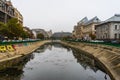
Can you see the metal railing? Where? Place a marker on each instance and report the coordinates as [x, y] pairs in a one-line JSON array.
[[99, 43], [18, 42]]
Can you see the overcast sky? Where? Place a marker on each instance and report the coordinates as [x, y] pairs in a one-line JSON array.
[[62, 15]]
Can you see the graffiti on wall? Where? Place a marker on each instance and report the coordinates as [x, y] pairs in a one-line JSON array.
[[11, 48], [6, 48]]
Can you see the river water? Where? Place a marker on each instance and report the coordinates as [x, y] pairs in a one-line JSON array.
[[55, 62]]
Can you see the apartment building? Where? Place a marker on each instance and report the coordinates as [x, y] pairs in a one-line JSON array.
[[19, 16], [6, 10]]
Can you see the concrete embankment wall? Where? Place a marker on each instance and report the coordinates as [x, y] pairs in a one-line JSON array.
[[109, 57], [10, 52]]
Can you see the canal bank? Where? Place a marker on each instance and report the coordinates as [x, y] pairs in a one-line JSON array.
[[54, 61], [109, 57], [12, 52]]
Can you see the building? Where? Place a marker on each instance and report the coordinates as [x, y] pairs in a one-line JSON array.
[[29, 31], [78, 29], [85, 27], [19, 16], [89, 29], [60, 35], [42, 31], [6, 11], [49, 33], [109, 29]]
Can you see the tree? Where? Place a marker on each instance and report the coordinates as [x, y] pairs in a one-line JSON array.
[[24, 35], [93, 36], [4, 29], [13, 29], [16, 29], [40, 36]]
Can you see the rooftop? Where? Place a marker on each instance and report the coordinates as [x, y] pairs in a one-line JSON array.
[[114, 18], [93, 20]]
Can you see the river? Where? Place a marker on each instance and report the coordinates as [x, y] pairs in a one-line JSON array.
[[55, 62]]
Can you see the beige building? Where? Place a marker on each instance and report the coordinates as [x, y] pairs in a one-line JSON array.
[[78, 29], [19, 16], [49, 33], [85, 28], [109, 29], [6, 11], [29, 31], [89, 28]]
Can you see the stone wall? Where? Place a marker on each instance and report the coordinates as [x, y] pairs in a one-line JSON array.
[[109, 57]]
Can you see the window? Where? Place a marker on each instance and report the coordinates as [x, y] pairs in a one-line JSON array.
[[115, 27], [119, 36], [0, 4], [115, 35], [106, 36]]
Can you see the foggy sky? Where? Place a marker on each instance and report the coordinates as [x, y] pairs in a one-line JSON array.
[[62, 15]]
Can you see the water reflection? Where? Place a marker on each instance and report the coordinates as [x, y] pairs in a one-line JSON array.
[[55, 62], [85, 61], [15, 72]]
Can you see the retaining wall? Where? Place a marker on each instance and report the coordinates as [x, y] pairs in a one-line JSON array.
[[109, 57], [9, 52]]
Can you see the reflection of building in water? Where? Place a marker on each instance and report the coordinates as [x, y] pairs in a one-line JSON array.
[[50, 47], [58, 45], [85, 61], [43, 48], [14, 70]]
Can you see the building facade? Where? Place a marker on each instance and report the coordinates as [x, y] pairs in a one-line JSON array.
[[19, 16], [89, 29], [38, 31], [85, 28], [78, 29], [49, 33], [29, 31], [61, 35], [109, 29], [6, 11]]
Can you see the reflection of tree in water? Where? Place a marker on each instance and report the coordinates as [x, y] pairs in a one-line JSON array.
[[85, 61], [15, 72]]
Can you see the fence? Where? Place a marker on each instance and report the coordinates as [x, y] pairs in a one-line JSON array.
[[17, 42], [101, 43]]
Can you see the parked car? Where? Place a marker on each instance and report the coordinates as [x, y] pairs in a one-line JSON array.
[[115, 41], [96, 41]]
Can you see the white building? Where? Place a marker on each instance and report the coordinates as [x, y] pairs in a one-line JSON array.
[[109, 29], [42, 31], [49, 33]]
